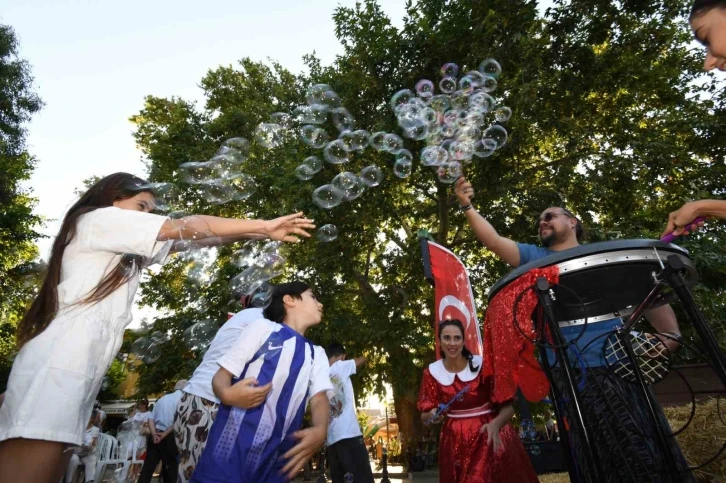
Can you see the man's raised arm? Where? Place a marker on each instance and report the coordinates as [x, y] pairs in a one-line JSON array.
[[504, 248]]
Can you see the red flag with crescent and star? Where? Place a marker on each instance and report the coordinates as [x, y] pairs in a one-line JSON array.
[[454, 298]]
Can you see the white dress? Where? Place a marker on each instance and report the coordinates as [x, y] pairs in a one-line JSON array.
[[56, 376]]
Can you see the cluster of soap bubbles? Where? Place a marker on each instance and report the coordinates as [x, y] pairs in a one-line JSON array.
[[147, 348], [455, 123], [260, 261], [312, 123], [220, 179]]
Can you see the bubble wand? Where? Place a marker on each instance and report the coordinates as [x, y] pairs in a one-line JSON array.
[[671, 237], [439, 415]]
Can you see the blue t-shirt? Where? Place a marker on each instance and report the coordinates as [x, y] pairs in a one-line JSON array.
[[591, 353]]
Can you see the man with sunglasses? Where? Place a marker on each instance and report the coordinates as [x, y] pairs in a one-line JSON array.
[[621, 449]]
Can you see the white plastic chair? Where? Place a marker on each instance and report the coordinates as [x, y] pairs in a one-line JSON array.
[[120, 460]]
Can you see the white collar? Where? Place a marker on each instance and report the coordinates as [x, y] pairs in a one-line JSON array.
[[446, 378]]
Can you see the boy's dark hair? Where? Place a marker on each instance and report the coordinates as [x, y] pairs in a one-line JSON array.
[[702, 7], [276, 310], [334, 350]]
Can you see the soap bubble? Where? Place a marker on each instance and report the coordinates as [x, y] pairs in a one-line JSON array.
[[269, 135], [313, 163], [347, 139], [425, 88], [392, 143], [502, 114], [371, 176], [400, 99], [489, 84], [491, 68], [327, 233], [449, 70], [485, 148], [240, 144], [360, 139], [217, 192], [335, 152], [402, 168], [196, 172], [404, 154], [434, 155], [314, 94], [243, 186], [377, 140], [304, 173], [449, 172], [343, 119], [314, 136], [447, 85], [199, 335], [439, 103], [166, 195], [313, 114], [261, 297], [248, 281], [282, 118], [496, 133], [327, 196], [482, 101], [348, 185]]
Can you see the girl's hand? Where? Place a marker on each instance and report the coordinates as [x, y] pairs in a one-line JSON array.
[[492, 431], [678, 221], [284, 227]]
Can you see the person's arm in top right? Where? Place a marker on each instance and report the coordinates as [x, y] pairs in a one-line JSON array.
[[504, 248], [678, 221]]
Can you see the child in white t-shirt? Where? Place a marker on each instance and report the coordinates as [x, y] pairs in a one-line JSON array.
[[346, 450]]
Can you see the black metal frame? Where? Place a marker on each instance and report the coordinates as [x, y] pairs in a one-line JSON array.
[[672, 275]]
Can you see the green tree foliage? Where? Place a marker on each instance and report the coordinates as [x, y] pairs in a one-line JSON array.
[[612, 118], [18, 253]]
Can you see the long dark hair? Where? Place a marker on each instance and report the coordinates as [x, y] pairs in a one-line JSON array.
[[702, 7], [42, 311], [464, 351]]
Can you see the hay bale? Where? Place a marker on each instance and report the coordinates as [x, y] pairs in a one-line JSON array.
[[554, 478], [703, 438]]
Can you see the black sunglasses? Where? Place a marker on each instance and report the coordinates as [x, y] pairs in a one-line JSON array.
[[548, 216]]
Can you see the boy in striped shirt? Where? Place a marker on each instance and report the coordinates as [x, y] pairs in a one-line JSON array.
[[264, 443]]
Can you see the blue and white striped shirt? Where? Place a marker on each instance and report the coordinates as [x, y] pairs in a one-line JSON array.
[[246, 445]]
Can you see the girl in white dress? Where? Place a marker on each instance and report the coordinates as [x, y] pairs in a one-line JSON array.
[[74, 327]]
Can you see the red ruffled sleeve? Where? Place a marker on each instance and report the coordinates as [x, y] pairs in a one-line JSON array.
[[428, 394], [508, 355]]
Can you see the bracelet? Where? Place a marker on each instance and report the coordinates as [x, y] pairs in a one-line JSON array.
[[674, 336], [466, 208]]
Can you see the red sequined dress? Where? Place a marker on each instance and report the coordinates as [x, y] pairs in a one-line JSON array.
[[464, 455]]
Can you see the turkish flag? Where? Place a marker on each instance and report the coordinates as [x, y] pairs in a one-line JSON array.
[[454, 298]]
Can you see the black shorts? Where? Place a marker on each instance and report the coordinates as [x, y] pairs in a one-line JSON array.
[[350, 456]]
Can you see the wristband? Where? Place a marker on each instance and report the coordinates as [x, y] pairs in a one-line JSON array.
[[466, 208]]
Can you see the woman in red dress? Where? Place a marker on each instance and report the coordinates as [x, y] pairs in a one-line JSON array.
[[477, 444]]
